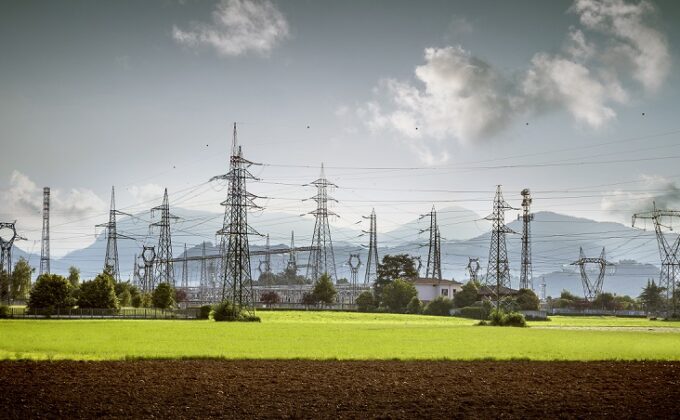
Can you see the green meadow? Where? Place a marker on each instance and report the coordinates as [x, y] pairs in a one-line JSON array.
[[342, 336]]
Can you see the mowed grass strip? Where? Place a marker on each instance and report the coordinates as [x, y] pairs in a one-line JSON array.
[[327, 335]]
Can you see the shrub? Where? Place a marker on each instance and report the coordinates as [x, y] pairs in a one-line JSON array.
[[415, 306], [527, 300], [440, 306], [225, 311], [204, 312], [5, 312], [163, 296], [125, 298], [474, 312], [309, 299], [136, 301], [270, 297], [500, 318], [98, 293], [51, 291], [365, 302]]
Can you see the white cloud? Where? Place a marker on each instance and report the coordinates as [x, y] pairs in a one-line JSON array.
[[458, 96], [146, 193], [237, 27], [653, 189]]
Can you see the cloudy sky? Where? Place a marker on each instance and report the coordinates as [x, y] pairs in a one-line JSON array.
[[408, 104]]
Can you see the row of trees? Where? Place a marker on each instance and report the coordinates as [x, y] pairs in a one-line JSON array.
[[53, 291], [651, 300], [16, 286]]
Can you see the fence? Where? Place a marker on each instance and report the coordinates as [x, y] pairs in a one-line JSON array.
[[595, 312], [85, 313]]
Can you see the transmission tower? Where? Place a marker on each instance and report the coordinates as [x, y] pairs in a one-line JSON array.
[[670, 262], [136, 277], [45, 248], [185, 269], [498, 271], [321, 258], [237, 281], [590, 289], [434, 261], [354, 263], [8, 235], [372, 261], [203, 282], [525, 278], [473, 268], [543, 295], [291, 266], [164, 270], [149, 257], [111, 259], [267, 262]]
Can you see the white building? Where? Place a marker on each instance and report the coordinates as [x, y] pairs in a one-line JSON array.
[[428, 289]]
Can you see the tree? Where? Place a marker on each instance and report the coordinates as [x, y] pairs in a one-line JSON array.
[[626, 303], [324, 291], [398, 294], [180, 295], [163, 296], [125, 298], [266, 279], [74, 276], [605, 301], [5, 281], [467, 296], [51, 291], [415, 306], [309, 299], [270, 297], [98, 293], [652, 297], [527, 300], [401, 266], [342, 281], [125, 292], [21, 280], [440, 306], [365, 302]]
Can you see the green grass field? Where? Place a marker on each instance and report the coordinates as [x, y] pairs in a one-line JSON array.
[[329, 335]]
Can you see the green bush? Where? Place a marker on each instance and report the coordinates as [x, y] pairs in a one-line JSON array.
[[99, 293], [5, 312], [415, 306], [225, 311], [500, 318], [440, 306], [365, 302], [51, 291], [204, 312], [397, 295], [163, 296]]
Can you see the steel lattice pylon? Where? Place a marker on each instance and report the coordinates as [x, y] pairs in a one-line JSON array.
[[291, 265], [434, 259], [322, 258], [473, 268], [203, 282], [354, 262], [670, 262], [525, 277], [185, 269], [267, 262], [111, 263], [45, 246], [149, 257], [164, 269], [237, 282], [590, 289], [8, 234], [498, 271], [372, 259]]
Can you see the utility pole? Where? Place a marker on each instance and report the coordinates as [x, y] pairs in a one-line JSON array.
[[321, 258], [45, 248], [498, 272], [291, 266], [372, 260], [111, 263], [8, 234], [434, 261], [670, 264], [525, 278], [267, 262], [149, 257], [590, 289], [237, 281], [164, 270], [473, 268], [203, 282]]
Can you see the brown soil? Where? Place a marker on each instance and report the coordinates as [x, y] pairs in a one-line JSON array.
[[330, 389]]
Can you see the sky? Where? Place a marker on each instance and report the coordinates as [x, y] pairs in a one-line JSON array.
[[408, 105]]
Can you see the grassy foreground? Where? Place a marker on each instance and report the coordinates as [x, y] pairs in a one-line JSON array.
[[326, 335]]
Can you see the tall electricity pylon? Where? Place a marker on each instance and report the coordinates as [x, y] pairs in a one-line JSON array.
[[237, 281], [291, 266], [354, 263], [321, 258], [498, 271], [8, 235], [670, 262], [267, 262], [590, 289], [111, 263], [372, 259], [164, 270], [203, 282], [45, 248], [149, 257], [434, 260], [185, 269], [525, 277], [473, 268]]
